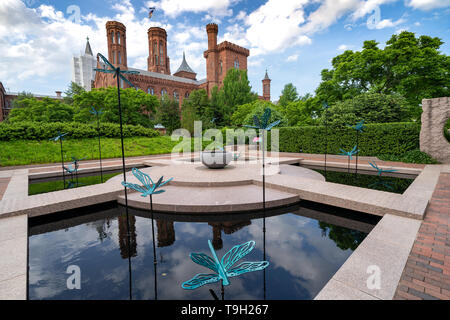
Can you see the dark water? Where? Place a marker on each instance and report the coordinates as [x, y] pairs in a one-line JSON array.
[[375, 182], [303, 252]]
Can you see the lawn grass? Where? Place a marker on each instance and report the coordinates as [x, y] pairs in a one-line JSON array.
[[25, 152], [50, 186]]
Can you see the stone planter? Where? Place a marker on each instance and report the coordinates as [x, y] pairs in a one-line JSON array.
[[216, 159]]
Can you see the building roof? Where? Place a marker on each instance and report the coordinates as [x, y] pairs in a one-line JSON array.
[[267, 76], [88, 49], [184, 66], [167, 76]]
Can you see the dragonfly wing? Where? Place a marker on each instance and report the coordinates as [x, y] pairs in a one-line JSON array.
[[142, 177], [205, 261], [245, 267], [133, 186], [200, 280], [237, 253]]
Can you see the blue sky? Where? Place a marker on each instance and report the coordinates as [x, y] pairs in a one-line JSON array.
[[293, 39]]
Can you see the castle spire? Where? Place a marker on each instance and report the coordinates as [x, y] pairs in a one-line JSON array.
[[88, 49]]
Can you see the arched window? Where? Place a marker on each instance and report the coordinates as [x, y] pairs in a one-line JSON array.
[[114, 57], [112, 37], [236, 63], [176, 96], [163, 92], [118, 37], [186, 95], [155, 53], [119, 57], [161, 52], [220, 67], [151, 91]]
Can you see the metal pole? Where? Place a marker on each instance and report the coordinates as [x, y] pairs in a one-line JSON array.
[[357, 149], [155, 262], [125, 180], [326, 140], [62, 162], [99, 148], [264, 211]]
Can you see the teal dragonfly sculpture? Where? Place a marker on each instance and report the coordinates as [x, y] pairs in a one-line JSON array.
[[359, 128], [380, 182], [148, 188], [119, 75], [60, 138], [223, 269], [349, 154]]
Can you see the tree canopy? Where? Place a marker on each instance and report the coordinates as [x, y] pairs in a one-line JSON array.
[[410, 66], [288, 95]]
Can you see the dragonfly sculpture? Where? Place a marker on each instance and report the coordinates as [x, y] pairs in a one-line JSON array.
[[148, 188], [60, 138], [380, 182], [119, 75], [223, 269], [97, 114], [359, 128], [349, 154], [263, 124]]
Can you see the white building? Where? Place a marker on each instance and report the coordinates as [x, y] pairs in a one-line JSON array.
[[83, 68]]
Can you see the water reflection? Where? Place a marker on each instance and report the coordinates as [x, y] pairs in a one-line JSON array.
[[304, 247]]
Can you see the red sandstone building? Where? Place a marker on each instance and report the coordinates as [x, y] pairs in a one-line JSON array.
[[158, 80]]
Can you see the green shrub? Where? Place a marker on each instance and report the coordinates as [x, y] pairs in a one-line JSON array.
[[45, 131], [413, 156], [386, 138]]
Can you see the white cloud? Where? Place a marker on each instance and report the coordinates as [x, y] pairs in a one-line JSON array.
[[366, 7], [343, 47], [292, 58], [275, 26], [174, 8], [388, 23], [427, 4]]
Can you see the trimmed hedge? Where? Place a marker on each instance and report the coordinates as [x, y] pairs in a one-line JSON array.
[[385, 138], [76, 130]]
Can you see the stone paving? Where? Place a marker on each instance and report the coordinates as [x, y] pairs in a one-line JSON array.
[[387, 246], [427, 272], [3, 185]]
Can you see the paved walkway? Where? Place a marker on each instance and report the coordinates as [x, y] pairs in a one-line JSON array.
[[3, 185], [427, 272]]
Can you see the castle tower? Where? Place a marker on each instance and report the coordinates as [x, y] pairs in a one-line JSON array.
[[212, 56], [266, 87], [117, 44], [158, 61]]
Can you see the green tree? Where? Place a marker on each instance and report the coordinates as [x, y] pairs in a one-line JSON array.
[[259, 110], [138, 107], [288, 95], [303, 112], [71, 91], [236, 90], [370, 107], [41, 110], [408, 65], [168, 113], [243, 111]]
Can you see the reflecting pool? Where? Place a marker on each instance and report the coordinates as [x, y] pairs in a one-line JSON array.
[[305, 245]]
